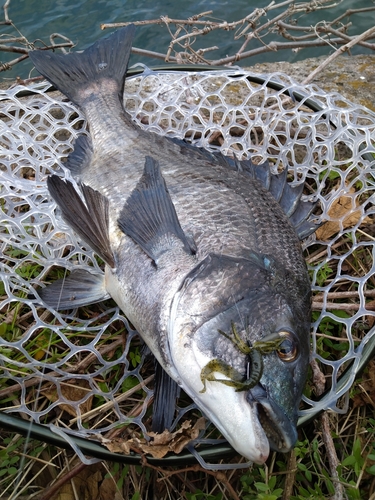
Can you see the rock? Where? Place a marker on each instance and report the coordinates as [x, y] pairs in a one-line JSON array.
[[351, 76]]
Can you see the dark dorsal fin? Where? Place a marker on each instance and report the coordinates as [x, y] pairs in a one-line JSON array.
[[80, 157], [288, 196], [91, 221], [166, 392], [149, 217], [78, 289]]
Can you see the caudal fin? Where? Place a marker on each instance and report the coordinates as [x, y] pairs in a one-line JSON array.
[[106, 59]]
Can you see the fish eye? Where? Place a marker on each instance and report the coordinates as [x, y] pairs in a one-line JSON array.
[[288, 349]]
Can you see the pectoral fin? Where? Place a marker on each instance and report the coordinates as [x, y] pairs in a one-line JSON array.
[[149, 216], [90, 221], [80, 288]]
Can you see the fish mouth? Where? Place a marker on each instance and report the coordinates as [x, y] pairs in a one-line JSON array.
[[280, 431]]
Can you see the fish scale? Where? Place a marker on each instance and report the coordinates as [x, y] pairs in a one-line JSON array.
[[196, 247]]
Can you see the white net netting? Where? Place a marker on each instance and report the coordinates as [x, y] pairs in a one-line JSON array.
[[84, 370]]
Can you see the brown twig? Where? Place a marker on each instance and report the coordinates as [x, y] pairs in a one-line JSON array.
[[6, 15], [52, 490], [290, 476], [78, 368], [11, 48], [27, 81], [89, 415], [329, 306], [275, 47], [344, 295], [332, 457], [219, 475], [350, 12], [150, 53], [330, 30], [189, 30], [367, 34], [164, 20], [319, 382], [25, 44]]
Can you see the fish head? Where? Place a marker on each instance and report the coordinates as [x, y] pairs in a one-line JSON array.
[[239, 340]]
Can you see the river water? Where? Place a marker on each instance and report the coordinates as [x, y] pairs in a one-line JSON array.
[[80, 21]]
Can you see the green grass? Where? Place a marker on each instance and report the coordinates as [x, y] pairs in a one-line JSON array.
[[305, 473], [307, 469]]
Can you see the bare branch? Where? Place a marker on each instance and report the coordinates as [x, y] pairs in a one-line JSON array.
[[150, 53], [275, 46], [6, 16], [336, 306], [10, 48], [358, 39], [278, 32], [8, 65], [23, 47], [166, 20], [351, 12], [188, 32], [367, 34]]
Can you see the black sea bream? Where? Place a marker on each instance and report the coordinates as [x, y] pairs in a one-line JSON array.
[[202, 254]]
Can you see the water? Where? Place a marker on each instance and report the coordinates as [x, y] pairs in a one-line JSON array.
[[80, 21]]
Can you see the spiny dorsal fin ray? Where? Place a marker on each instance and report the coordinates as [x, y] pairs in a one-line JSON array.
[[91, 221], [149, 217], [289, 197], [80, 288], [260, 172], [303, 213]]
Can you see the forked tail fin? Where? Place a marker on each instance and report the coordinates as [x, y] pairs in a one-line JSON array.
[[106, 59]]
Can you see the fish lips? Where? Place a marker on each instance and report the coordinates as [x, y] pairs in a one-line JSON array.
[[280, 431]]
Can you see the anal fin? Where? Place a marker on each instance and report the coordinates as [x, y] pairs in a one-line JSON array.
[[149, 216], [80, 288], [91, 221], [165, 394]]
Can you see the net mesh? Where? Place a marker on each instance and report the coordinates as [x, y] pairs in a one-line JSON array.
[[85, 370]]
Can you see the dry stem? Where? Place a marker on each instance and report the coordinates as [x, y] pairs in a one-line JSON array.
[[319, 382], [367, 34]]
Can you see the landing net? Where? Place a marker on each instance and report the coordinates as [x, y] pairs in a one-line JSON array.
[[84, 372]]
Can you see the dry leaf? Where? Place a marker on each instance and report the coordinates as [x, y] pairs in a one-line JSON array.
[[175, 441], [86, 482], [72, 390], [118, 445], [344, 214], [108, 489], [160, 444]]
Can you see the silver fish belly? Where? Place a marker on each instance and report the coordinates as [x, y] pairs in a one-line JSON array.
[[202, 254]]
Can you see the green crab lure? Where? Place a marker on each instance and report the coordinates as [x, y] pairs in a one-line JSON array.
[[278, 341]]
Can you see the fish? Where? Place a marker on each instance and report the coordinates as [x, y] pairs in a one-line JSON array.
[[202, 253]]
